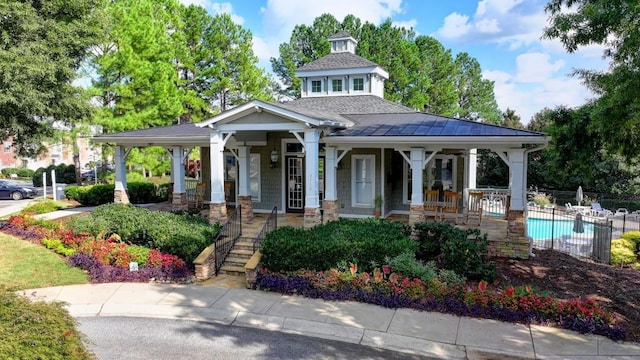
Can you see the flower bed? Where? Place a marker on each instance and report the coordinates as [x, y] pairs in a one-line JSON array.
[[521, 305], [104, 259]]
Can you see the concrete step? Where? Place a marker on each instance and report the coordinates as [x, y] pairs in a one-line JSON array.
[[243, 245], [246, 254], [235, 261], [232, 270]]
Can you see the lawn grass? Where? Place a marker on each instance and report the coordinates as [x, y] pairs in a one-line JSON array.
[[24, 265]]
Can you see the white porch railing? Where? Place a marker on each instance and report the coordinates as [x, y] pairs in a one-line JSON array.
[[494, 201]]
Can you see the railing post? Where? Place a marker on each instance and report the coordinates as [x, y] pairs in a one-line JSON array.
[[553, 222]]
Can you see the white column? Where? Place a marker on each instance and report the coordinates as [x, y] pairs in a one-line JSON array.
[[120, 156], [330, 189], [244, 170], [311, 138], [177, 169], [472, 169], [417, 161], [517, 178], [217, 167]]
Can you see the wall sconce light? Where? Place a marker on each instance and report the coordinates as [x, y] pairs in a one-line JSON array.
[[274, 158]]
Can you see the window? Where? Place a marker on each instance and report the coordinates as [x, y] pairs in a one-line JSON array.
[[362, 180], [254, 177], [336, 85], [316, 86], [7, 147], [339, 45], [358, 84]]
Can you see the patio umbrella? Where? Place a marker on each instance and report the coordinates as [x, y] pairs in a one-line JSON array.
[[579, 195], [578, 226]]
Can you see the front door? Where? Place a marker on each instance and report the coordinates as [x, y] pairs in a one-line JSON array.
[[295, 183]]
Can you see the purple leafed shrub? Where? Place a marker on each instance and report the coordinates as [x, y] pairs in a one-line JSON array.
[[100, 273], [447, 304]]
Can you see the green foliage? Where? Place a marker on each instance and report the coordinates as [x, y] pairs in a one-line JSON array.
[[43, 206], [364, 242], [57, 246], [139, 254], [462, 251], [38, 330], [43, 44], [633, 236], [90, 195], [21, 172], [182, 235], [65, 174], [142, 192], [622, 252], [540, 199], [407, 264]]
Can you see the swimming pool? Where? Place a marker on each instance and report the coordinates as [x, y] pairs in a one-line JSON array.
[[541, 229]]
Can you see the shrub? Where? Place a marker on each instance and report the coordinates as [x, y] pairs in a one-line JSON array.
[[90, 195], [407, 264], [141, 192], [38, 330], [42, 206], [182, 235], [365, 242], [622, 252], [633, 236], [21, 172], [139, 254], [540, 199], [65, 174], [462, 251]]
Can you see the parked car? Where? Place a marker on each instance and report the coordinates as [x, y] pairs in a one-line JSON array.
[[15, 191]]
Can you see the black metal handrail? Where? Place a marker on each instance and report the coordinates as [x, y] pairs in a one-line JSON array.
[[229, 233], [269, 225]]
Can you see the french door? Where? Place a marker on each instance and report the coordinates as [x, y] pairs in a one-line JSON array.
[[295, 183]]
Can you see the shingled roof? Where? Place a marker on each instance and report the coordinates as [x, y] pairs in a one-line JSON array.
[[340, 60], [340, 35], [353, 104]]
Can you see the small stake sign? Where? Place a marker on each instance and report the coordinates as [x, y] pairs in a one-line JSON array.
[[133, 266]]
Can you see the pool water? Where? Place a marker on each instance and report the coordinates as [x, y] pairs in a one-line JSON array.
[[541, 229]]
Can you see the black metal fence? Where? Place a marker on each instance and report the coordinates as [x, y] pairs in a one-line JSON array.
[[229, 233], [269, 225], [576, 234]]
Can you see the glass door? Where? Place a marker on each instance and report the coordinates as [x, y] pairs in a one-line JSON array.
[[295, 183]]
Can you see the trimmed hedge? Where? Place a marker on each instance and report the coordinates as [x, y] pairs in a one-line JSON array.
[[65, 174], [622, 252], [21, 172], [139, 193], [364, 242], [182, 235]]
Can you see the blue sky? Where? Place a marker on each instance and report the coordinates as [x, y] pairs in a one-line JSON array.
[[504, 35]]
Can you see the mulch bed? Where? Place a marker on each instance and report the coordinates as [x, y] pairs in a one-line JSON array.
[[563, 276]]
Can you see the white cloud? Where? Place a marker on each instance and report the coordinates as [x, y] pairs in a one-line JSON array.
[[488, 26], [536, 67], [455, 26]]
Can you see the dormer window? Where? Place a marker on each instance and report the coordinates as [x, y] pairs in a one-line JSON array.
[[316, 86], [358, 84], [336, 85], [340, 45]]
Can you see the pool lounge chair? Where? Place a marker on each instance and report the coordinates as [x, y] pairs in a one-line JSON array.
[[621, 212], [597, 210]]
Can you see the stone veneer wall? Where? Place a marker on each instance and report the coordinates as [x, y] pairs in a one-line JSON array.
[[218, 213], [120, 197], [516, 245], [179, 202], [205, 263], [312, 217], [331, 211], [246, 210]]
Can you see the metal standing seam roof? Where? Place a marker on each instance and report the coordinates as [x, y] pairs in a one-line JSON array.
[[424, 124], [340, 60]]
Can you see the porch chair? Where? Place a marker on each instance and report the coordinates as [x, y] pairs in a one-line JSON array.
[[474, 206], [199, 198], [450, 205], [431, 203]]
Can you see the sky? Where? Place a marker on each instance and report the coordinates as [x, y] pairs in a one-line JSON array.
[[503, 35]]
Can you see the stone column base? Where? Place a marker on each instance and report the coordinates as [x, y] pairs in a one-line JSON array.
[[246, 207], [120, 197], [517, 242], [179, 202], [331, 212], [312, 217], [218, 213], [416, 214]]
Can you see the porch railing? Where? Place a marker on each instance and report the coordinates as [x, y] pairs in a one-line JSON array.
[[494, 201], [269, 225], [229, 233], [585, 237]]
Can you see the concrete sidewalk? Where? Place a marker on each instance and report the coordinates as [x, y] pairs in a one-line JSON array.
[[425, 333]]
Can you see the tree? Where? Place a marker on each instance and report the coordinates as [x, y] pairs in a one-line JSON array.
[[476, 99], [42, 45], [612, 24], [438, 66], [511, 119]]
